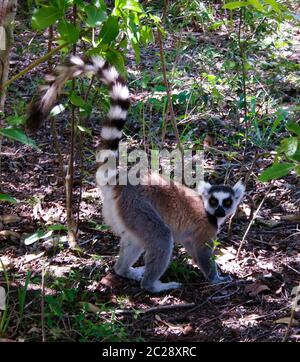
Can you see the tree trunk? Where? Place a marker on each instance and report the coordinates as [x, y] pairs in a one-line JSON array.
[[8, 9]]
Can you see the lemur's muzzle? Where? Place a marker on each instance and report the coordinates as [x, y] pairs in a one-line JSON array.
[[220, 212]]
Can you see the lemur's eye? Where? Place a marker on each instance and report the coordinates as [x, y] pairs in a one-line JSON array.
[[213, 202], [227, 202]]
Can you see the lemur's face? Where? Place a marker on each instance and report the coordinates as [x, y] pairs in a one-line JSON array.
[[221, 201]]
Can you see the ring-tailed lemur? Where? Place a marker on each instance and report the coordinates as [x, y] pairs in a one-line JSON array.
[[148, 218]]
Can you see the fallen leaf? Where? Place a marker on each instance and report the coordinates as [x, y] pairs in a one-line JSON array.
[[188, 329], [249, 320], [227, 254], [6, 262], [168, 324], [286, 320], [34, 330], [295, 217], [90, 307], [255, 288], [246, 209], [111, 281], [209, 141], [269, 223], [30, 257], [59, 271], [9, 219], [9, 235]]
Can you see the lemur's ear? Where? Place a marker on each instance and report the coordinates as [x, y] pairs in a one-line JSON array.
[[203, 188], [239, 190]]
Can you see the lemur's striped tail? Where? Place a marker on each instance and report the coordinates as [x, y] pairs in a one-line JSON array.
[[111, 132]]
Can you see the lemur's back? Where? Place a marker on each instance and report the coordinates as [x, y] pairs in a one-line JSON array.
[[180, 208]]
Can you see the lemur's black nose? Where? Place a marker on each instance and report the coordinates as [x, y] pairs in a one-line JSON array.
[[220, 212]]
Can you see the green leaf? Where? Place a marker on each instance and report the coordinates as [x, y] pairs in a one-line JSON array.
[[95, 16], [7, 198], [146, 35], [110, 30], [275, 124], [296, 156], [216, 25], [235, 5], [133, 6], [116, 58], [102, 227], [17, 135], [57, 227], [77, 100], [61, 5], [40, 234], [274, 5], [79, 3], [278, 170], [68, 31], [289, 146], [257, 5], [84, 129], [136, 49], [44, 17], [57, 110], [15, 120], [294, 127]]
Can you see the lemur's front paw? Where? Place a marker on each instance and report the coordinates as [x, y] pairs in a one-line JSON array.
[[219, 279]]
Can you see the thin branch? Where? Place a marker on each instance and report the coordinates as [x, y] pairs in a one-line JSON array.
[[37, 62], [252, 220], [165, 11], [57, 148], [70, 172], [50, 42], [53, 123], [83, 121], [34, 64], [169, 95]]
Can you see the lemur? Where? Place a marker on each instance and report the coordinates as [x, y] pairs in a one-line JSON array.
[[151, 216]]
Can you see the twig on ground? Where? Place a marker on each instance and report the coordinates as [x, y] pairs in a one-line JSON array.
[[160, 308]]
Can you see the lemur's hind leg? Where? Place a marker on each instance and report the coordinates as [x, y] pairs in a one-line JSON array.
[[130, 251], [157, 259], [154, 236]]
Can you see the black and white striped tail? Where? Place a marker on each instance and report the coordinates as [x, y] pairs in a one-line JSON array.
[[112, 126]]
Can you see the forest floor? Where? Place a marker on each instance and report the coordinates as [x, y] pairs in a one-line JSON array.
[[59, 294]]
